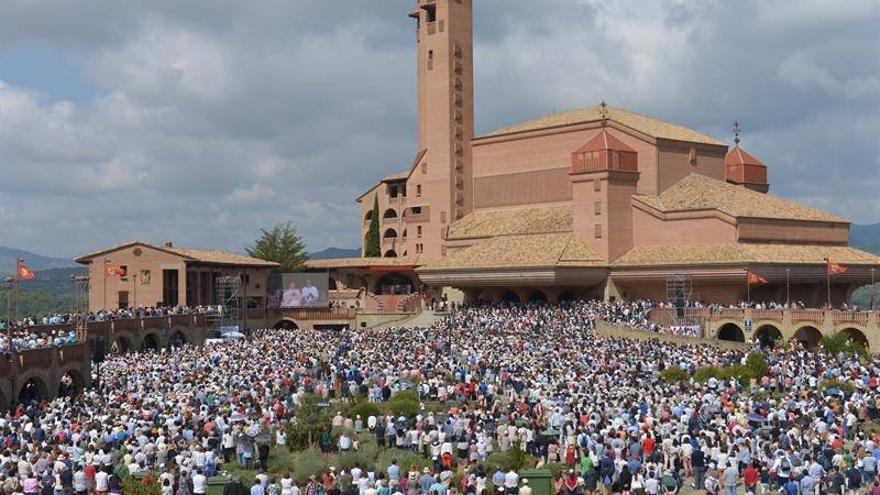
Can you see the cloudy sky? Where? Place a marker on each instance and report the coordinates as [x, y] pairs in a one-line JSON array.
[[202, 121]]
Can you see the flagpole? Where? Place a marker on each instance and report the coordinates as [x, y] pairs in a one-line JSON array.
[[748, 287], [105, 284], [828, 282]]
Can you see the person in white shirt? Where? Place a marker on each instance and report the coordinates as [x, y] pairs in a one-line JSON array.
[[511, 480], [102, 482], [200, 483]]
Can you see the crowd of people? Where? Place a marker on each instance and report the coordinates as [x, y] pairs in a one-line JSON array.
[[56, 319], [500, 378]]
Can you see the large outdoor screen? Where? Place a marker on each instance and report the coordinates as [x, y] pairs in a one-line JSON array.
[[299, 290]]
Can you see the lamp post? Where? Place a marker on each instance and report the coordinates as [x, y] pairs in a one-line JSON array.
[[788, 287], [873, 289]]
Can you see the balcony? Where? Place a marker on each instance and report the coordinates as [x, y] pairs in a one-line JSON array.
[[604, 160]]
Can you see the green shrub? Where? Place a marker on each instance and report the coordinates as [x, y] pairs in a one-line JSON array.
[[281, 461], [673, 374], [557, 468], [406, 408], [405, 459], [757, 365], [148, 485], [307, 463], [405, 395], [363, 408], [703, 374], [842, 343], [495, 460]]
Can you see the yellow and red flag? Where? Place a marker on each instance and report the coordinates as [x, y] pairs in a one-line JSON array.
[[836, 268], [754, 279], [22, 272], [111, 270]]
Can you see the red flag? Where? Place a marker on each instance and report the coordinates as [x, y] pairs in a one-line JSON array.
[[835, 268], [113, 271], [22, 272], [754, 278]]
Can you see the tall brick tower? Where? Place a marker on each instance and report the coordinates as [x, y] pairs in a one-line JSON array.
[[441, 184]]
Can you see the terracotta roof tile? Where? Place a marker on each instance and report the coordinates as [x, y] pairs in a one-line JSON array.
[[366, 262], [699, 192], [520, 251], [647, 125], [222, 257], [744, 253], [522, 220]]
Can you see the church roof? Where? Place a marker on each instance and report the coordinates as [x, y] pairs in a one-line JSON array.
[[699, 192], [506, 221], [741, 253], [647, 125], [548, 250]]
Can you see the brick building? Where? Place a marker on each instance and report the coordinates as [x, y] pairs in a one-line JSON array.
[[597, 201], [169, 276]]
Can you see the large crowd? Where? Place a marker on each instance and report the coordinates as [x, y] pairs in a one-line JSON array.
[[536, 378], [54, 319]]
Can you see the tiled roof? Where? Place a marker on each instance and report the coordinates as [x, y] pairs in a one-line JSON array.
[[366, 262], [521, 251], [398, 176], [522, 220], [739, 156], [744, 253], [699, 192], [201, 255], [652, 127], [222, 257]]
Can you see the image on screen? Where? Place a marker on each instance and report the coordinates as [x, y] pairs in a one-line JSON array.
[[299, 290]]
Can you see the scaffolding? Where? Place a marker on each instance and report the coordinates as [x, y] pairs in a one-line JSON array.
[[229, 297], [679, 289]]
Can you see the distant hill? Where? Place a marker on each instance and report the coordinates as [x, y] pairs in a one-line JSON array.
[[866, 237], [34, 261], [333, 252]]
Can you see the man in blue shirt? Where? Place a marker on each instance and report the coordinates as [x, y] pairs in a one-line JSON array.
[[257, 489]]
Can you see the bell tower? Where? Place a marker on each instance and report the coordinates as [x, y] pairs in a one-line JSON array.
[[442, 177]]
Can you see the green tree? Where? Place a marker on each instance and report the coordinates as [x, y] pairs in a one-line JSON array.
[[312, 419], [282, 245], [371, 243]]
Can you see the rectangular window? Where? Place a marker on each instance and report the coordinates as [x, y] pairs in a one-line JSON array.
[[430, 59], [597, 207], [598, 231], [146, 277], [416, 210], [430, 13], [597, 185], [419, 231], [418, 190]]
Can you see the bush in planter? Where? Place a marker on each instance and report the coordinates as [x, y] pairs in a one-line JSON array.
[[148, 485], [406, 408], [673, 374], [307, 463], [363, 408]]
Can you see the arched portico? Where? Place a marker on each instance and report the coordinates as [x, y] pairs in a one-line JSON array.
[[768, 335], [856, 336], [286, 324], [152, 341], [731, 332], [537, 296], [510, 296], [71, 383], [33, 388], [121, 344], [389, 214], [808, 336]]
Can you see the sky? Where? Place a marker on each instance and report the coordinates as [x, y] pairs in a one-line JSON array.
[[204, 121]]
